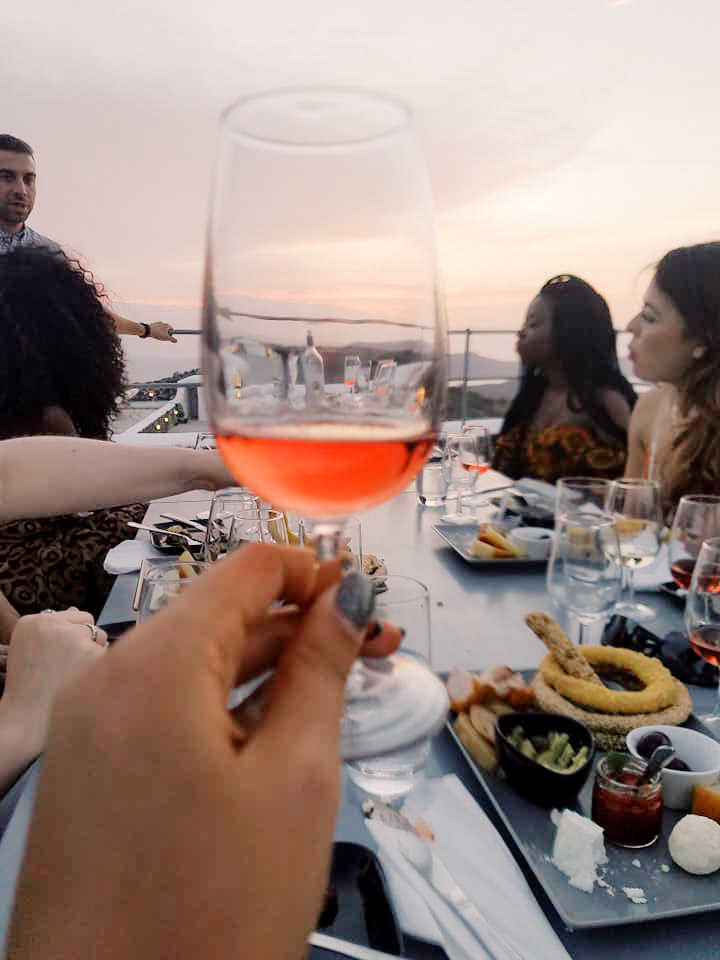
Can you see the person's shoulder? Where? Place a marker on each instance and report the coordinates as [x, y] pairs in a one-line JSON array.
[[34, 239], [616, 405]]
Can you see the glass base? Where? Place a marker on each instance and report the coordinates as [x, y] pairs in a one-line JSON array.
[[390, 777], [638, 612], [390, 703]]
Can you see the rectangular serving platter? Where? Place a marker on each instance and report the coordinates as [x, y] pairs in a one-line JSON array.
[[461, 536], [670, 892]]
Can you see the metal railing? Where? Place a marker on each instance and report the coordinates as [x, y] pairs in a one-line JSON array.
[[465, 381]]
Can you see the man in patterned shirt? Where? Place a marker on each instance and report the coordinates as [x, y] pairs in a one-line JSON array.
[[17, 198]]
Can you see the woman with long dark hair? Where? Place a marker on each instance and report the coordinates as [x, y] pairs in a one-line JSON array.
[[61, 372], [675, 428], [570, 415]]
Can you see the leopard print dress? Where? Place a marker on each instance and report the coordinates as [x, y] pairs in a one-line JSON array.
[[58, 562]]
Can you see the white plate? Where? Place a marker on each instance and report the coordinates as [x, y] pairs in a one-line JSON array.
[[461, 539]]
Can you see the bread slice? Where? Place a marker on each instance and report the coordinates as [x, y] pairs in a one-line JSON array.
[[483, 720], [481, 751]]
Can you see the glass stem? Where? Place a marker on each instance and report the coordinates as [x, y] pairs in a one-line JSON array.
[[581, 632], [716, 706], [327, 540], [459, 507], [631, 586]]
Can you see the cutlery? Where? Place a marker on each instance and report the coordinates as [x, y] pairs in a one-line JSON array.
[[164, 533], [417, 852], [347, 949], [185, 521]]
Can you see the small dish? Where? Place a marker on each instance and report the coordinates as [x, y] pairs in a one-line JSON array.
[[699, 751], [535, 541], [174, 545], [537, 783]]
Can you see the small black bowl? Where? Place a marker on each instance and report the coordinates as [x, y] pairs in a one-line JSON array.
[[175, 545], [539, 784]]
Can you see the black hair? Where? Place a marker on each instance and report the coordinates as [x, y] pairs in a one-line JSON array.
[[14, 145], [583, 347], [58, 347]]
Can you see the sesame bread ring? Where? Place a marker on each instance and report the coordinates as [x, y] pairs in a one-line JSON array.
[[658, 685], [567, 654], [609, 729]]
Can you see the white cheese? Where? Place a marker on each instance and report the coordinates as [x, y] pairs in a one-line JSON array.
[[579, 849]]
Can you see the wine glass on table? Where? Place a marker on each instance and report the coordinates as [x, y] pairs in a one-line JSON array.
[[582, 574], [321, 245], [702, 615], [483, 445], [461, 462], [697, 518], [636, 506]]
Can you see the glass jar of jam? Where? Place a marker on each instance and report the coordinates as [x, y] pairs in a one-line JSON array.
[[631, 816]]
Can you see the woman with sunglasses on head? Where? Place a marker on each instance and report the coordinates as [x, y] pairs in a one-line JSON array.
[[571, 413], [675, 428]]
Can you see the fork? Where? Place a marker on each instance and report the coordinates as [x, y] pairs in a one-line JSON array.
[[417, 852]]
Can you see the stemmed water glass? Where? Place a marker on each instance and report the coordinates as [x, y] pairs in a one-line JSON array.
[[321, 245], [696, 519], [702, 614], [461, 461], [636, 505], [582, 574]]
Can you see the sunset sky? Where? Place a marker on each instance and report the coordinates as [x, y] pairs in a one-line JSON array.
[[562, 136]]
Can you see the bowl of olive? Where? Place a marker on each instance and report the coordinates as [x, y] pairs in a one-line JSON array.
[[697, 762], [546, 757]]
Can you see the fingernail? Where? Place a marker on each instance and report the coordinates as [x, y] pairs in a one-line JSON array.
[[355, 599]]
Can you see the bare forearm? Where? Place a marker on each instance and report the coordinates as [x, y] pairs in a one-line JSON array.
[[18, 748], [48, 476], [8, 618]]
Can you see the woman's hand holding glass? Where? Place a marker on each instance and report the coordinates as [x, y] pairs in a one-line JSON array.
[[216, 812], [636, 506], [583, 575]]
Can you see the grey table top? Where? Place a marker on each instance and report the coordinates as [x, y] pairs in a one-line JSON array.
[[477, 620]]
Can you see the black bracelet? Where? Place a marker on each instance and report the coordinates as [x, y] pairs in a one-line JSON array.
[[146, 330]]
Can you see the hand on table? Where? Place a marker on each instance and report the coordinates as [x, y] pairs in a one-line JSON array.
[[46, 651], [158, 829]]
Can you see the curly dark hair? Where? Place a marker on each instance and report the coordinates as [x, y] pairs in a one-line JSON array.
[[690, 277], [59, 346], [583, 344]]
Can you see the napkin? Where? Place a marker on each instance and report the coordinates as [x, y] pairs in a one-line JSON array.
[[476, 856], [650, 577], [127, 556]]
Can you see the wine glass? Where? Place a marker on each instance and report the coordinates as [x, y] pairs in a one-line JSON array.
[[702, 614], [225, 505], [259, 524], [580, 495], [321, 245], [582, 574], [697, 518], [461, 462], [163, 582], [636, 505]]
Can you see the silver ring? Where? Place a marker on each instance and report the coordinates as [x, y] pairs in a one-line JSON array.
[[93, 632], [48, 610]]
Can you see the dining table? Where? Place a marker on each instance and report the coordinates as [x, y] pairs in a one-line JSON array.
[[478, 620]]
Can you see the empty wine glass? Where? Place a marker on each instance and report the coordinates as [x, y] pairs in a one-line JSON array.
[[580, 495], [162, 584], [702, 615], [225, 505], [582, 574], [461, 462], [636, 505], [259, 524], [697, 518]]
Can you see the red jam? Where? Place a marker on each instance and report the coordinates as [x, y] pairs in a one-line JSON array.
[[630, 816]]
